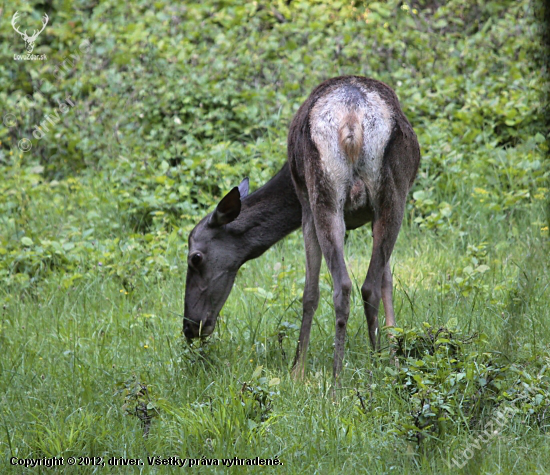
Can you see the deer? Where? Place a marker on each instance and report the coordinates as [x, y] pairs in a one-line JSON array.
[[29, 40], [352, 157]]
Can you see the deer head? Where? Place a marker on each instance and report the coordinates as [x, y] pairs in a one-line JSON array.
[[215, 255], [29, 40]]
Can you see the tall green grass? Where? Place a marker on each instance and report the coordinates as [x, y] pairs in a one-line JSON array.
[[70, 354]]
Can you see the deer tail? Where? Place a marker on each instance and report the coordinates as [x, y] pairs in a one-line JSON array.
[[350, 136]]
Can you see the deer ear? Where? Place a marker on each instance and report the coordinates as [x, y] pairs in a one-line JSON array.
[[230, 206], [243, 188], [227, 210]]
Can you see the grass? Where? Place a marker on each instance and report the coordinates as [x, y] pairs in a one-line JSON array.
[[71, 356]]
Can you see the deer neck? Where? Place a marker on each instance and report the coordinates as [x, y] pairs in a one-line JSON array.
[[268, 215]]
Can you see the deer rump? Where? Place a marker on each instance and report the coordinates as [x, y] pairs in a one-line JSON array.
[[340, 135]]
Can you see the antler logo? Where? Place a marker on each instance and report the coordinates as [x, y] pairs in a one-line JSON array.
[[29, 40]]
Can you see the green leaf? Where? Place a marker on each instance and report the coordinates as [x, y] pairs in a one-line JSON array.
[[482, 269], [539, 138], [257, 372], [452, 324]]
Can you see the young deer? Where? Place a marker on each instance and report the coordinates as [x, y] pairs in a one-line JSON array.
[[352, 158]]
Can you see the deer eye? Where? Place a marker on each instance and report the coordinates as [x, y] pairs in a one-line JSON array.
[[196, 259]]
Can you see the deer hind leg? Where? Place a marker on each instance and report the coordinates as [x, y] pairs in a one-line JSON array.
[[311, 290], [330, 228], [378, 283]]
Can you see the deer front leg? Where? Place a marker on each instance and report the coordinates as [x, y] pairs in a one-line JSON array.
[[311, 292], [387, 300], [387, 295], [378, 283]]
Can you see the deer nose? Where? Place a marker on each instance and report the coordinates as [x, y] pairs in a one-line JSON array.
[[189, 329]]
